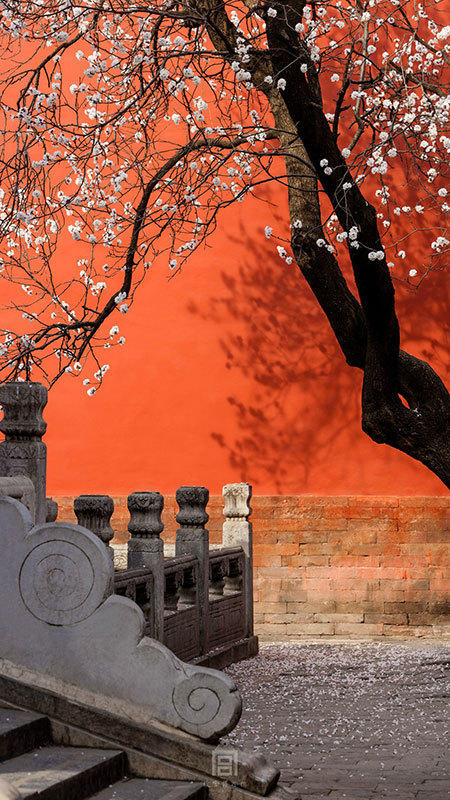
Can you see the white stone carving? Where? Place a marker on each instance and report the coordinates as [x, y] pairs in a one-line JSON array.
[[60, 619], [237, 532], [237, 500]]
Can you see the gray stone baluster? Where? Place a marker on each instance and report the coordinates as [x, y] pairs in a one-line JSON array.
[[51, 509], [23, 452], [94, 511], [192, 538], [237, 532], [146, 548]]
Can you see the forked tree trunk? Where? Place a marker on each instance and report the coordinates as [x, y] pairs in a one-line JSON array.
[[367, 331]]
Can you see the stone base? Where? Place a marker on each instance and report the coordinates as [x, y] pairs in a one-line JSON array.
[[222, 657], [153, 751]]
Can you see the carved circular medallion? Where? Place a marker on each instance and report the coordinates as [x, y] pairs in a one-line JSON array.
[[57, 583]]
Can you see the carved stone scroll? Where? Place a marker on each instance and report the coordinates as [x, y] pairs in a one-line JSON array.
[[81, 640]]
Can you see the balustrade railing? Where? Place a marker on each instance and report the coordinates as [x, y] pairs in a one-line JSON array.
[[200, 600], [199, 603]]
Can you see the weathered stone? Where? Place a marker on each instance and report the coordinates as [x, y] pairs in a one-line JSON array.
[[94, 512], [192, 501], [145, 514], [149, 748], [20, 488], [237, 500], [52, 510], [56, 589], [238, 532], [193, 539], [146, 548], [23, 452], [7, 791]]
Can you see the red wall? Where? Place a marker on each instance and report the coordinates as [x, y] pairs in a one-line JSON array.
[[230, 373]]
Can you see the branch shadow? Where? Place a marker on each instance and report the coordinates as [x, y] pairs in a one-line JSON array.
[[289, 387], [296, 402]]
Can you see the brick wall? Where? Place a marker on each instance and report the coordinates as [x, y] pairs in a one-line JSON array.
[[343, 566]]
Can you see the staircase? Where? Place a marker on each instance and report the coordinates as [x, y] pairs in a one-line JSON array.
[[37, 768]]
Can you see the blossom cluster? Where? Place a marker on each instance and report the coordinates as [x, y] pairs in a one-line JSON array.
[[138, 131]]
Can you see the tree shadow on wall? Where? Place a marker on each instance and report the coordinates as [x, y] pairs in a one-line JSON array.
[[293, 396], [297, 403]]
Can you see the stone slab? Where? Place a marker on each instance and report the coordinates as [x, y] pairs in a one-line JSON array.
[[63, 772], [175, 754], [148, 789], [357, 719], [21, 731]]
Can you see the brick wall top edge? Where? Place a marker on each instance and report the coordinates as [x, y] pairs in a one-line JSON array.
[[411, 500]]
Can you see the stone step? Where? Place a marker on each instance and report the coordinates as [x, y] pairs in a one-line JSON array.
[[63, 773], [143, 789], [21, 731], [38, 770]]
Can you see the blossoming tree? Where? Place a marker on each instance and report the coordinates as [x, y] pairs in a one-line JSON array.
[[131, 125]]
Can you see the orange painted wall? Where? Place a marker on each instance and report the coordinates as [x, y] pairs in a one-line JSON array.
[[230, 373]]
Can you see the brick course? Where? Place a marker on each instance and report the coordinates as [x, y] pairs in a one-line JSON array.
[[346, 566]]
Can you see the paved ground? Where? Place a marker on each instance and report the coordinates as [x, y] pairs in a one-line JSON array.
[[349, 721]]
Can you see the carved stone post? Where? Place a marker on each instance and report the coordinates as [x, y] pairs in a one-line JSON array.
[[94, 511], [146, 548], [23, 452], [237, 532], [193, 539], [51, 510]]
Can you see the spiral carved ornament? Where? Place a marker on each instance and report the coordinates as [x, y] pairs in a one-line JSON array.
[[62, 579]]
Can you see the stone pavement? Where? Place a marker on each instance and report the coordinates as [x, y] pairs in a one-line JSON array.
[[349, 721]]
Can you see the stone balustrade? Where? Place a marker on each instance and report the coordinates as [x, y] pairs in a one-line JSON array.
[[198, 603]]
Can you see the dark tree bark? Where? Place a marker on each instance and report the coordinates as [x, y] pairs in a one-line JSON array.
[[368, 331]]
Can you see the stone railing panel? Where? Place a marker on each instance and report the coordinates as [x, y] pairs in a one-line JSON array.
[[138, 585], [181, 607], [227, 620]]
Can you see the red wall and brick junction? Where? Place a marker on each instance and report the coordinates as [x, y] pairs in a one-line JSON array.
[[231, 373], [342, 565]]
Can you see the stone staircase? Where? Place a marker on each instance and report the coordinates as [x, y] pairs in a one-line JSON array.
[[35, 767]]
